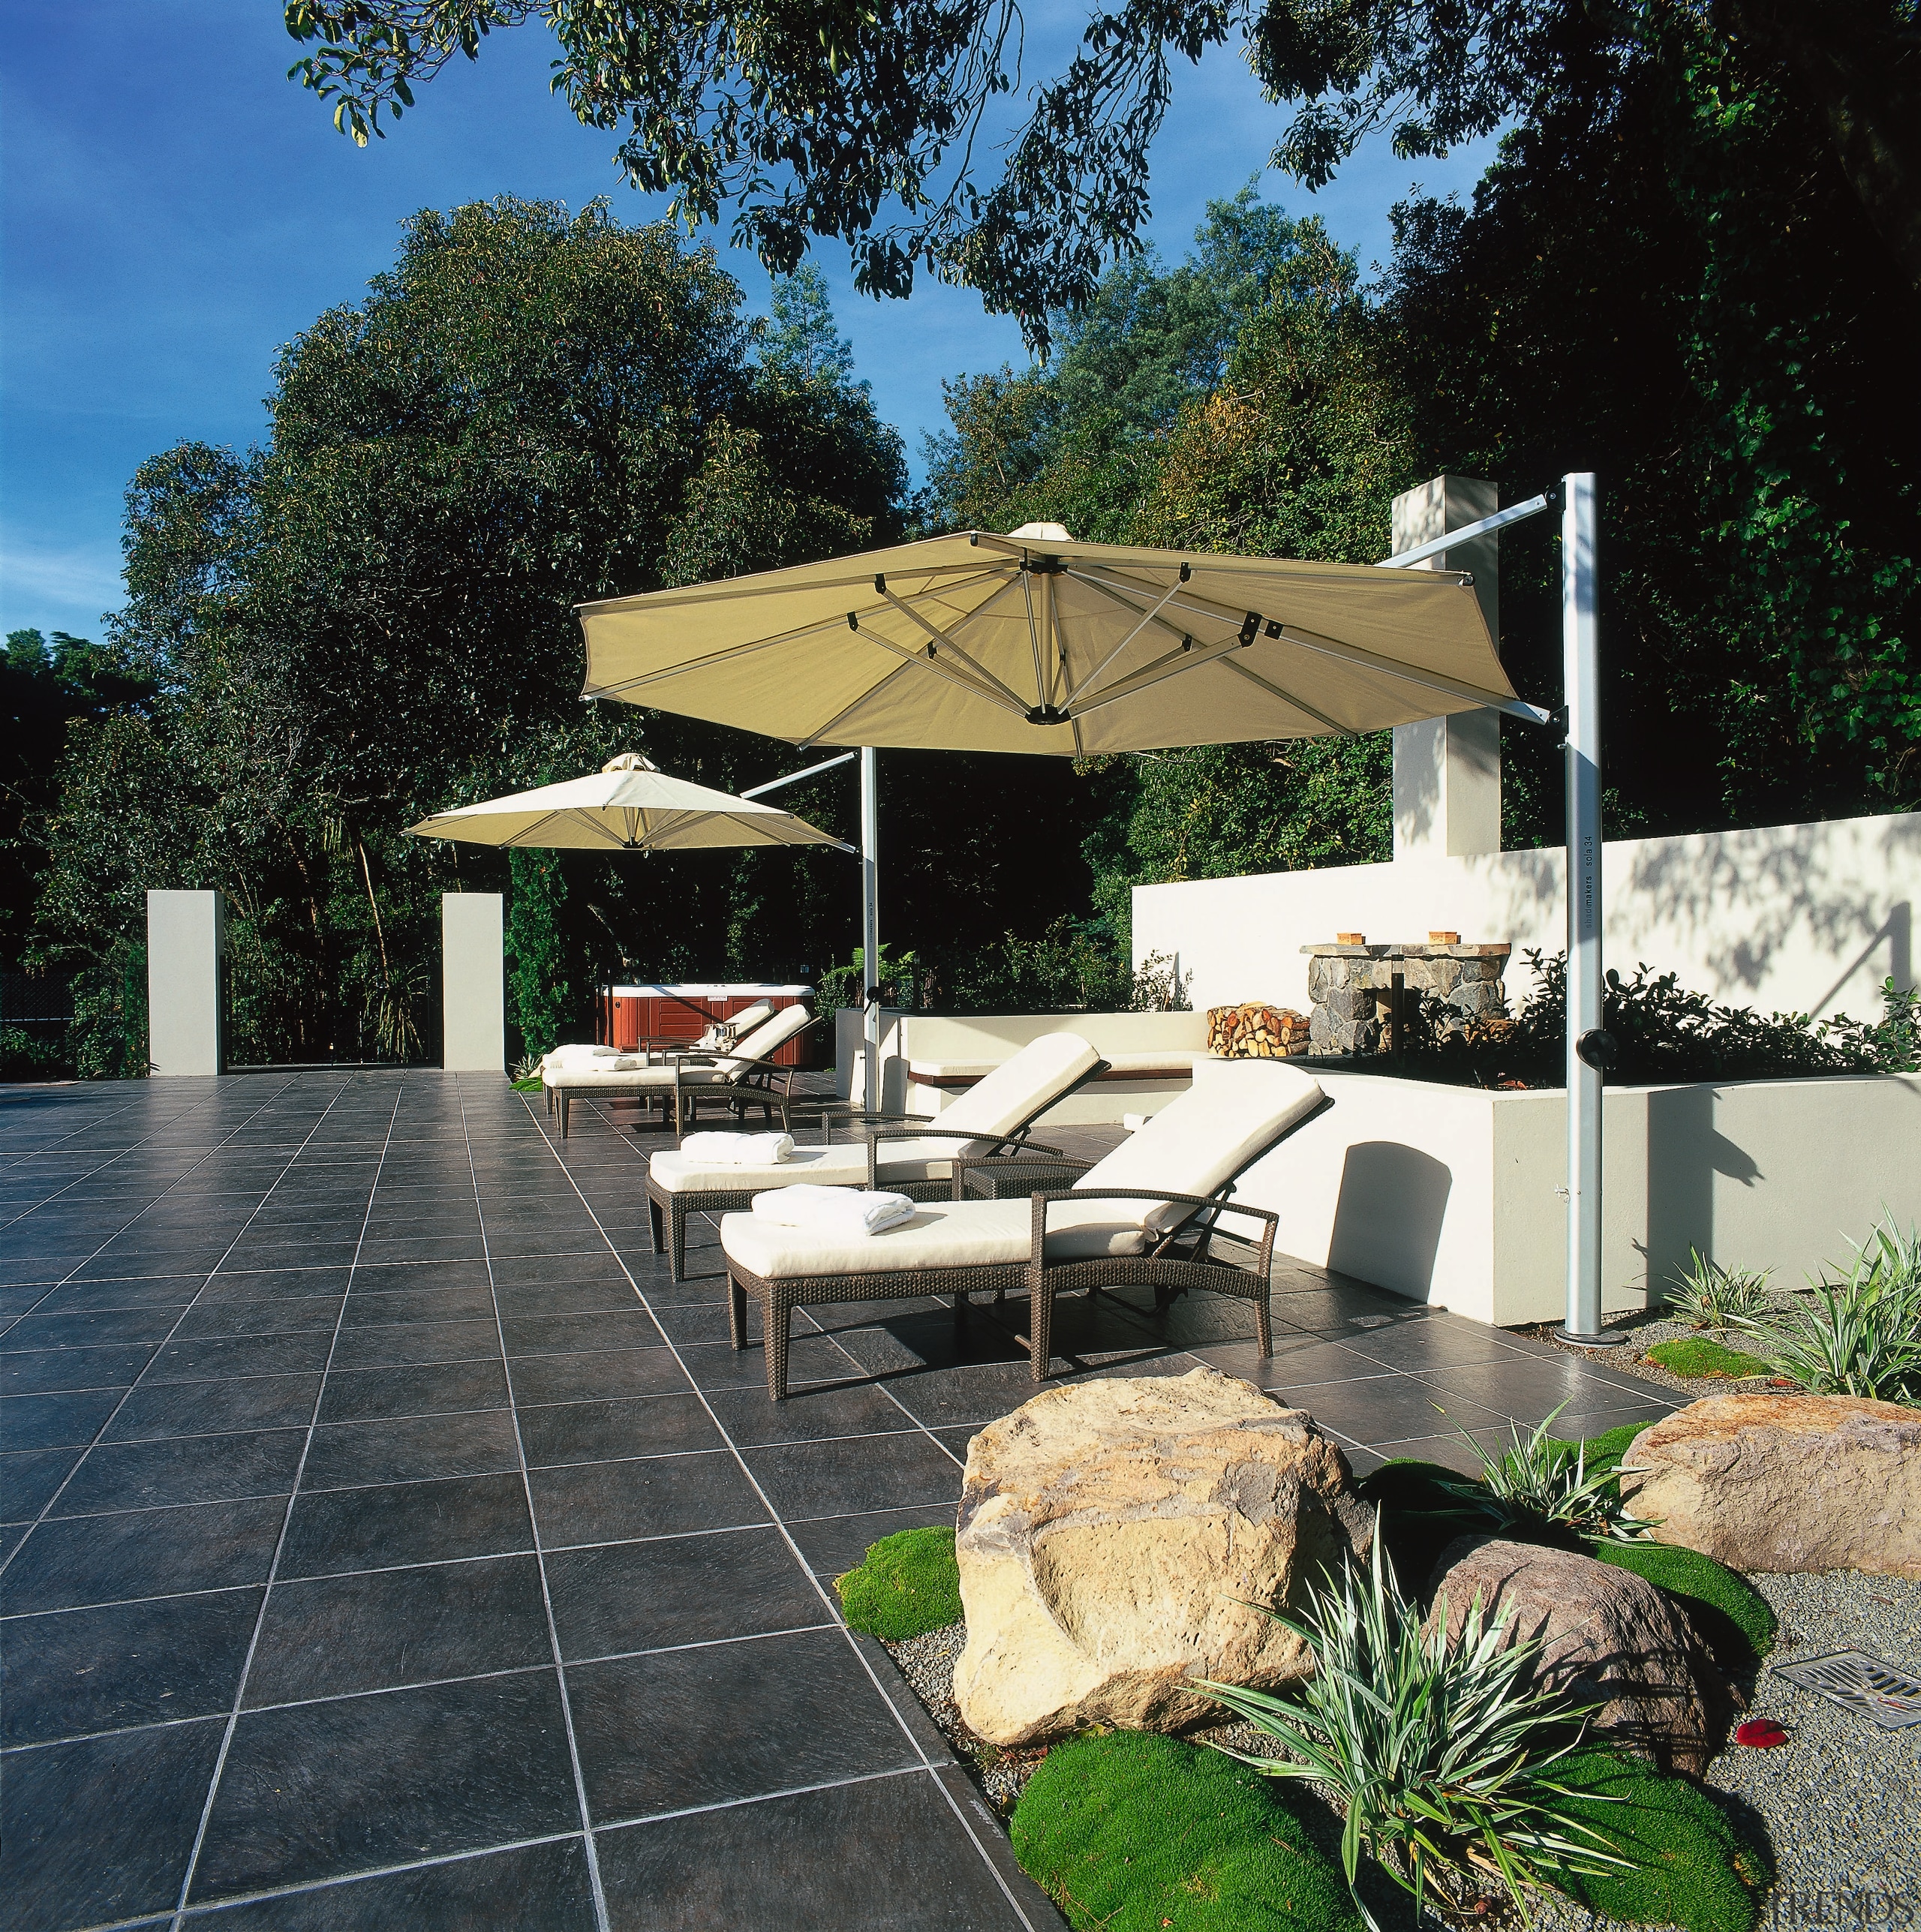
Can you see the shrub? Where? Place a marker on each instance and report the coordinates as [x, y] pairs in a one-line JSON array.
[[109, 1034], [1860, 1335], [1697, 1356], [905, 1585], [1541, 1490], [1131, 1832], [1730, 1613], [1712, 1297], [1686, 1863], [1434, 1743], [1663, 1033]]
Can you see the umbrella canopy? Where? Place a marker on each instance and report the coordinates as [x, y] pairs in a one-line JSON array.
[[628, 805], [1033, 642]]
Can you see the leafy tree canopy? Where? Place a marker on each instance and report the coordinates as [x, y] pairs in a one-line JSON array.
[[871, 124]]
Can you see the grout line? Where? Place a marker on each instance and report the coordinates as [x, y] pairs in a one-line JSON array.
[[764, 1797], [280, 1545], [807, 1569], [540, 1558]]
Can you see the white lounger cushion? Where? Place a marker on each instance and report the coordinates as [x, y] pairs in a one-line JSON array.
[[755, 1047], [949, 1234], [995, 1106], [577, 1078], [578, 1055], [842, 1167], [1206, 1135]]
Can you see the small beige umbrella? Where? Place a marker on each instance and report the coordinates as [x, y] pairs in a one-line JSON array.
[[628, 805], [1033, 642]]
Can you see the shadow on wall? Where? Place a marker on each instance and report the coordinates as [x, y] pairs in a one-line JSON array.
[[1685, 1155], [1387, 1220]]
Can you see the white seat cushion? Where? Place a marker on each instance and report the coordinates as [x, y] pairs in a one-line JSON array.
[[1205, 1136], [577, 1079], [1166, 1062], [929, 1070], [842, 1167], [1022, 1087], [753, 1049], [948, 1234]]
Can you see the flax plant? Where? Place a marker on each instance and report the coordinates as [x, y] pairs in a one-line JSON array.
[[1710, 1296], [1541, 1488], [1435, 1743]]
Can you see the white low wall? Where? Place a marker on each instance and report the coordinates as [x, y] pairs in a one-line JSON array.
[[1450, 1194], [978, 1042], [1787, 918]]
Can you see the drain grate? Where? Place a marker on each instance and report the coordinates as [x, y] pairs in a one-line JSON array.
[[1891, 1697]]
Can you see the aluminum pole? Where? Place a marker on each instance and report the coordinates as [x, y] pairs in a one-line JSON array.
[[870, 922], [1589, 1049]]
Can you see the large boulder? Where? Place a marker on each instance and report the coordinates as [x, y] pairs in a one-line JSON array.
[[1114, 1539], [1608, 1637], [1784, 1482]]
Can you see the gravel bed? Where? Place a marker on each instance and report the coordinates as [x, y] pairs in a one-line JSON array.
[[1840, 1802], [1647, 1332]]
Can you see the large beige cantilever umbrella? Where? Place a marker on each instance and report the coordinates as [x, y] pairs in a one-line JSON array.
[[1033, 642], [628, 805]]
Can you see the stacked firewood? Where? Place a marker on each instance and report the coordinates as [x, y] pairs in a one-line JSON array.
[[1254, 1031]]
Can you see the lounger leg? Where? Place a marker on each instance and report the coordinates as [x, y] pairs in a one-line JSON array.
[[1040, 1331], [737, 1312], [676, 1254], [776, 1314], [1263, 1326], [653, 1226], [566, 1100]]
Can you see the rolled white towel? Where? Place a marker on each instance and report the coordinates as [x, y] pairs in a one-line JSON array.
[[739, 1150], [834, 1210]]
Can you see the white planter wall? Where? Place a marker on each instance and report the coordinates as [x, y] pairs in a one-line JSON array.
[[1449, 1195]]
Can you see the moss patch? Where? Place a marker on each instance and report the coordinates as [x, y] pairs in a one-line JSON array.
[[1131, 1832], [1728, 1610], [905, 1585], [530, 1086], [1691, 1867], [1695, 1356]]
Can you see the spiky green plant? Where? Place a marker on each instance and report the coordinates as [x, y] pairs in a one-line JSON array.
[[1710, 1296], [1543, 1488], [1860, 1335], [1435, 1743]]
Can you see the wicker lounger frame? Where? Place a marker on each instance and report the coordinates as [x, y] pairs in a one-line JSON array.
[[769, 1088], [1166, 1269]]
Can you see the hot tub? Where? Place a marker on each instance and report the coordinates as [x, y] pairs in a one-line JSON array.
[[629, 1015]]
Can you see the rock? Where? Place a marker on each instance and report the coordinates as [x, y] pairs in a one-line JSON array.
[[1114, 1537], [1608, 1637], [1784, 1482]]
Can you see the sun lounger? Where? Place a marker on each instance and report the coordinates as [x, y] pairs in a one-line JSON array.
[[914, 1158], [675, 1076], [1145, 1216]]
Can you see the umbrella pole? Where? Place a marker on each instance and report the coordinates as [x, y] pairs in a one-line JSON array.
[[1589, 1049], [870, 922]]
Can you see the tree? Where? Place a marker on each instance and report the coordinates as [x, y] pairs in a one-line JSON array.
[[867, 124], [371, 617]]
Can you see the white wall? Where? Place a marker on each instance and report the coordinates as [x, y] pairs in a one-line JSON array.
[[1791, 918], [186, 932], [472, 983], [1449, 1195]]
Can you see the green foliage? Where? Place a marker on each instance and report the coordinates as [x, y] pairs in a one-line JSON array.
[[1664, 1034], [1710, 1296], [905, 1585], [1695, 1355], [1443, 1760], [544, 1001], [1860, 1335], [1733, 1615], [370, 618], [1540, 1491], [1685, 1862], [109, 1034], [1132, 1832], [1417, 1513]]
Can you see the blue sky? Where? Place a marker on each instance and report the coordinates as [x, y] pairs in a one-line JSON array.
[[174, 209]]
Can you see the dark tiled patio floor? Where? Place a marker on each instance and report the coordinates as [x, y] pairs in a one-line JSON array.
[[387, 1541]]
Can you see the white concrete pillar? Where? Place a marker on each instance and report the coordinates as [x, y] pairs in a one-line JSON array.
[[186, 939], [1448, 771], [473, 1000]]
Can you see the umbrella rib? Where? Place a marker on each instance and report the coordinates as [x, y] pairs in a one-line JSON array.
[[1154, 611], [1009, 703], [823, 734], [1287, 698], [1170, 664], [728, 589], [1431, 680], [941, 637], [1033, 635]]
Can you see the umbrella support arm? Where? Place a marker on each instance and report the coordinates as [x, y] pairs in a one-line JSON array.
[[870, 924], [1589, 1048]]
